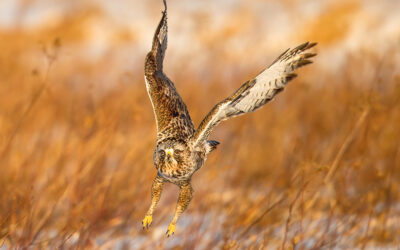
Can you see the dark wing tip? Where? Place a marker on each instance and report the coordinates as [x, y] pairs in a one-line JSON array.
[[309, 55], [302, 46], [310, 45], [165, 6], [291, 76], [303, 63], [305, 46]]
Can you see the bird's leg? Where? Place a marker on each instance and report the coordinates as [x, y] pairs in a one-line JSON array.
[[185, 195], [156, 190]]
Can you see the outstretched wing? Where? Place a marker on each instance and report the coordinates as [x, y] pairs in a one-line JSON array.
[[172, 116], [255, 93]]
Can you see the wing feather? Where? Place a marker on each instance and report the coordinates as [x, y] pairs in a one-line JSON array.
[[253, 94], [171, 114]]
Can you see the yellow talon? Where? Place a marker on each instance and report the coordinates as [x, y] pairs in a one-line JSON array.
[[171, 230], [146, 222]]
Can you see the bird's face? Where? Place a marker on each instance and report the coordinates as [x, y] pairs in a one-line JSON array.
[[170, 154]]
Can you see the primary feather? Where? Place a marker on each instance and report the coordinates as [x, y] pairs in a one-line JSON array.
[[255, 93]]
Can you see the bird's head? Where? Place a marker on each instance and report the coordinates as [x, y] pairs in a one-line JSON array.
[[170, 154]]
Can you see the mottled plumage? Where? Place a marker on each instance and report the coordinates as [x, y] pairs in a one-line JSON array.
[[180, 149]]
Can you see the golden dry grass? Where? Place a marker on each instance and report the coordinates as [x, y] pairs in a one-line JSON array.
[[316, 168]]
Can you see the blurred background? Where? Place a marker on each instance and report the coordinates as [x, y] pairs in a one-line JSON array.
[[316, 168]]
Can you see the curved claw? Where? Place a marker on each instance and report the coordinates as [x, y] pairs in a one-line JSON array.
[[171, 230], [146, 222]]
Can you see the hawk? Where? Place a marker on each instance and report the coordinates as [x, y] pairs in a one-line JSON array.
[[181, 149]]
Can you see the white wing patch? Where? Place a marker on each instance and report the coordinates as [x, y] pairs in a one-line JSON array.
[[257, 92]]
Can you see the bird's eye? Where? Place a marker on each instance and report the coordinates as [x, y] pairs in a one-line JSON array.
[[177, 151], [161, 153]]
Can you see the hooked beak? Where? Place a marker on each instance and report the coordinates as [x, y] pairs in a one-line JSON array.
[[170, 153]]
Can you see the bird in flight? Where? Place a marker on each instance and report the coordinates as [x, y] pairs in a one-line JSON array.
[[181, 149]]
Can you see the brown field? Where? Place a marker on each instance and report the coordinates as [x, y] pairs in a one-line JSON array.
[[316, 168]]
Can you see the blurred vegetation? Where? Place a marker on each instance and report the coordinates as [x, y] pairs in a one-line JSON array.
[[316, 168]]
